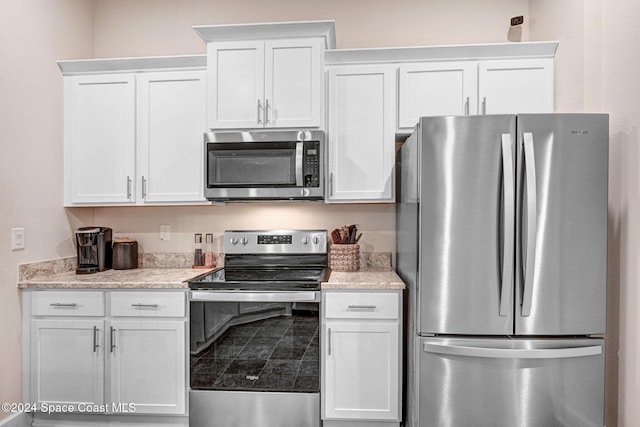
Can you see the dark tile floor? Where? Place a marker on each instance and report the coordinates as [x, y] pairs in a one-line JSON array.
[[278, 354]]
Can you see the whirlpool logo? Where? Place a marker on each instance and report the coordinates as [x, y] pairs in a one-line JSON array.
[[579, 132]]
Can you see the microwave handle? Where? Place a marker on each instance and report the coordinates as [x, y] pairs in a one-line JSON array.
[[299, 158]]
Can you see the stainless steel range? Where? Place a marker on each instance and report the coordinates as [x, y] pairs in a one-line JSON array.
[[255, 358]]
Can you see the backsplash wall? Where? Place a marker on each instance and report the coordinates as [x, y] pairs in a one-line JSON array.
[[375, 221]]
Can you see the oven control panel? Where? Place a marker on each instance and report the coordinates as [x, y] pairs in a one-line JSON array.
[[268, 239], [275, 241]]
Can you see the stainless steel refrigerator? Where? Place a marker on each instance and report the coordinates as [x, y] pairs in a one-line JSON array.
[[502, 242]]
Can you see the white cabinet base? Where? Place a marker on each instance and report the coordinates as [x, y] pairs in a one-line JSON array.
[[82, 420], [101, 365], [361, 347]]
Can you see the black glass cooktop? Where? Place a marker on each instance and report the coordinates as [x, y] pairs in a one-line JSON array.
[[261, 279]]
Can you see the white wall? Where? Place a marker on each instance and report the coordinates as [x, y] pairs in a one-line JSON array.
[[620, 68], [152, 27], [34, 34], [597, 70]]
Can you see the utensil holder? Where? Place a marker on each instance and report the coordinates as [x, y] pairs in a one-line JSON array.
[[344, 257]]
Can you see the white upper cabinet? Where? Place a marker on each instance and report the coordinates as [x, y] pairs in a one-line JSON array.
[[515, 86], [236, 84], [364, 112], [266, 75], [265, 84], [436, 88], [100, 138], [134, 138], [471, 79], [361, 134], [171, 119]]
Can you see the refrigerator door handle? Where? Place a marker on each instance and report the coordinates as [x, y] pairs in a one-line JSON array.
[[529, 266], [509, 353], [508, 186]]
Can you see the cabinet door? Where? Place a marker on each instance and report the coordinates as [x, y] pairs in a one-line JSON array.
[[361, 375], [515, 86], [171, 121], [436, 89], [99, 138], [292, 83], [67, 361], [147, 360], [235, 74], [361, 133]]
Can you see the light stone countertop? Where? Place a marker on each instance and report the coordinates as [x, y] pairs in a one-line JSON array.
[[364, 280], [137, 278], [168, 271]]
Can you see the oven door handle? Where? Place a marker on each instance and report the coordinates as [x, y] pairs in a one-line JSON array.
[[255, 296]]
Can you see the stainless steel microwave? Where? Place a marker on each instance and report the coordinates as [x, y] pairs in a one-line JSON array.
[[269, 165]]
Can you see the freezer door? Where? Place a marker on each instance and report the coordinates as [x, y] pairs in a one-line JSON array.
[[466, 214], [510, 382], [561, 247]]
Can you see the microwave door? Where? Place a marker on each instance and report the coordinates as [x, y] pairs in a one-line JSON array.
[[249, 167]]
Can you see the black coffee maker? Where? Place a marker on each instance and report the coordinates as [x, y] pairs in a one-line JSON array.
[[94, 249]]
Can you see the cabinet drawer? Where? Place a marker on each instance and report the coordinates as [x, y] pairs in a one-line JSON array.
[[148, 304], [361, 305], [67, 303]]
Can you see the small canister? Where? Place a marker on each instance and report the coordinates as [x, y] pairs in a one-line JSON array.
[[125, 254]]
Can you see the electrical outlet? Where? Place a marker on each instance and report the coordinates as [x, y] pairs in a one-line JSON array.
[[165, 232], [17, 238], [517, 20]]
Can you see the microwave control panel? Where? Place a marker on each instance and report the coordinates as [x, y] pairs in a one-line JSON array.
[[311, 164]]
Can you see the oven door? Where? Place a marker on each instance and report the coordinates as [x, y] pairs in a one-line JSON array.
[[256, 350], [263, 170]]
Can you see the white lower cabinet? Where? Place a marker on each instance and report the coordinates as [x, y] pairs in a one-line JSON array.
[[67, 361], [361, 362], [147, 360], [129, 357]]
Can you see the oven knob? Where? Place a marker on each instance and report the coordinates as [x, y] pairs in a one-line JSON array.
[[305, 240], [234, 240], [244, 240], [316, 240]]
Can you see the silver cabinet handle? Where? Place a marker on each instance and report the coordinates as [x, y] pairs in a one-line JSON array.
[[138, 305], [466, 107], [128, 187], [259, 112], [95, 339], [331, 184], [144, 187], [61, 304], [510, 353], [299, 154], [266, 112], [112, 338], [508, 187], [484, 105], [329, 342], [532, 212], [361, 307]]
